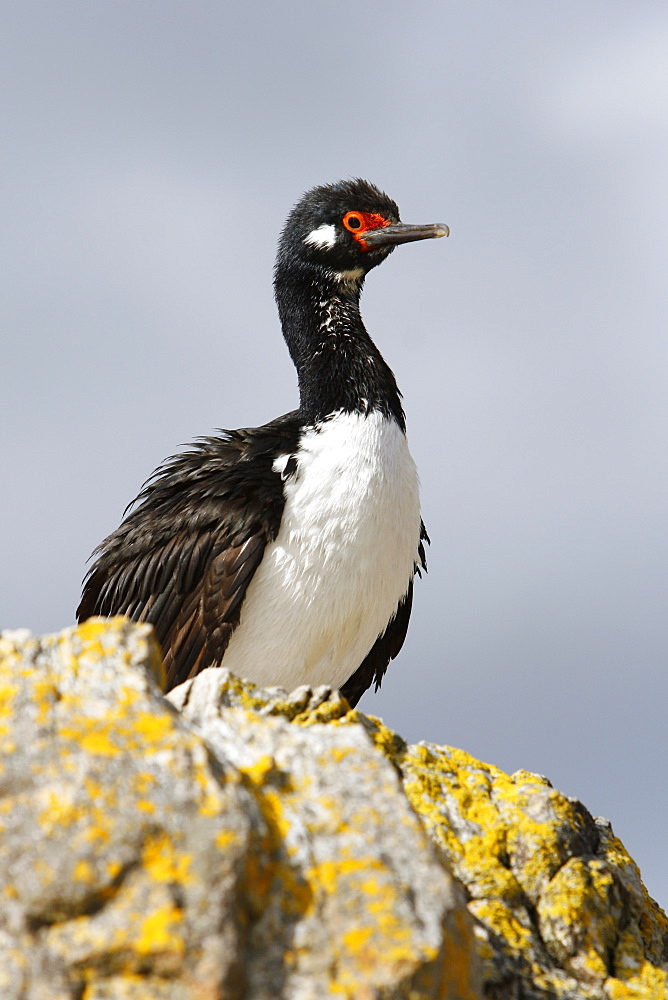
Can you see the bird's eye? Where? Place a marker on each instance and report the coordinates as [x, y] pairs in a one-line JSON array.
[[352, 221]]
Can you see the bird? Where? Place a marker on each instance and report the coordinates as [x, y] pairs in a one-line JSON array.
[[287, 552]]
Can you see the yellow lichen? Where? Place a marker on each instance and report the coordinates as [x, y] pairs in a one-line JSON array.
[[83, 871], [356, 939], [145, 806], [226, 838], [163, 862], [94, 741], [268, 866], [504, 921], [579, 916], [8, 692], [94, 833], [650, 984], [327, 874], [159, 931]]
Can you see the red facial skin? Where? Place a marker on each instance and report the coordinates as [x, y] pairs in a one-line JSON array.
[[367, 221]]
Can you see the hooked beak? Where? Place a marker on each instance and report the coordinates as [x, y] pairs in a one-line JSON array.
[[389, 236]]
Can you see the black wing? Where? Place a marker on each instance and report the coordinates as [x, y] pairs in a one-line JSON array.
[[387, 646], [183, 559]]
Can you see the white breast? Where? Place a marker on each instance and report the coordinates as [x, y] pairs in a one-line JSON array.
[[343, 558]]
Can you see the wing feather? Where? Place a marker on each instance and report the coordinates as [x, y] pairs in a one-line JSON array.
[[184, 557], [386, 647]]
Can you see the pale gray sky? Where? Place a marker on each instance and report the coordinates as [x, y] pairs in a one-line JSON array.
[[150, 153]]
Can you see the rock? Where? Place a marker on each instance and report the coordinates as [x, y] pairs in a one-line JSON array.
[[218, 853], [561, 906], [123, 847], [247, 844]]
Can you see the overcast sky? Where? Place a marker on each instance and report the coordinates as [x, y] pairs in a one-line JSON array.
[[150, 153]]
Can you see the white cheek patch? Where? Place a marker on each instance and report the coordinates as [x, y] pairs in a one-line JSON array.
[[323, 236]]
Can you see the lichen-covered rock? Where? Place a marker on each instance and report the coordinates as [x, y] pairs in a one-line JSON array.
[[559, 906], [349, 865], [216, 854], [233, 843], [123, 845]]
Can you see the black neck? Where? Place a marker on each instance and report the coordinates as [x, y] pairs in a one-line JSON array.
[[338, 365]]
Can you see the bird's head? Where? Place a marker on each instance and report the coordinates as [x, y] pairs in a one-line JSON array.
[[347, 228]]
